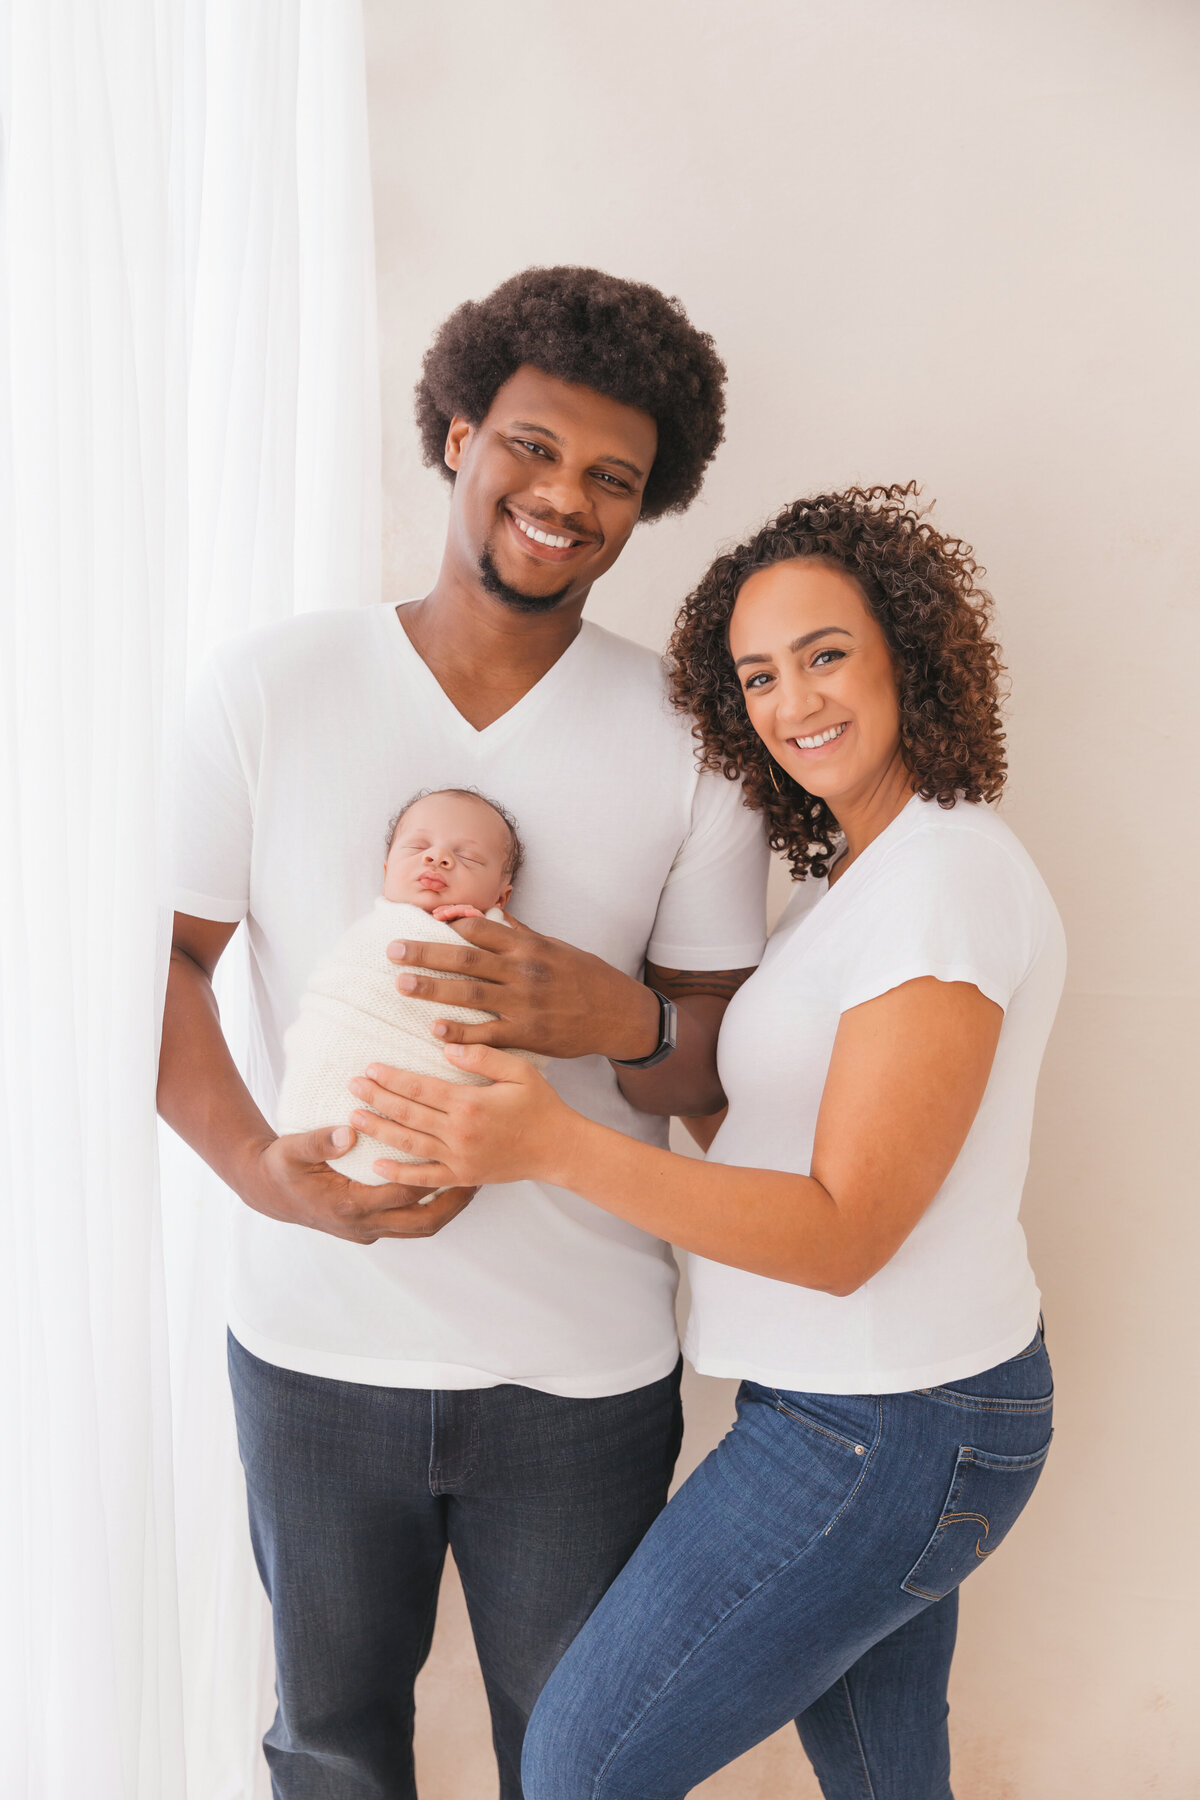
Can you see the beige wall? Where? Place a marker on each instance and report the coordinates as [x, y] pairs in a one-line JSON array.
[[951, 241]]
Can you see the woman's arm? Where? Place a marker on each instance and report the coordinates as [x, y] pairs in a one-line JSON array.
[[905, 1081]]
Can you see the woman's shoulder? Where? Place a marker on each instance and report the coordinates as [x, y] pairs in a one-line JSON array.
[[953, 894], [968, 841]]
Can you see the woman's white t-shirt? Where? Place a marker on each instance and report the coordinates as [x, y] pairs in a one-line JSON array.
[[942, 892], [303, 739]]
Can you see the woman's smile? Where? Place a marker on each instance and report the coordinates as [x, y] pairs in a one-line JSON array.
[[821, 739]]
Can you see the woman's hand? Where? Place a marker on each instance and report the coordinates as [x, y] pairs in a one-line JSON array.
[[511, 1130]]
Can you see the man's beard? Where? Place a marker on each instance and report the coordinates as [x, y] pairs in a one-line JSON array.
[[492, 583]]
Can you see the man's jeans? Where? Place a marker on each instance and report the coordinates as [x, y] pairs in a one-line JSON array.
[[356, 1492], [808, 1570]]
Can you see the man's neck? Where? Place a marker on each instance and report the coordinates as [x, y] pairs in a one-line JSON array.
[[484, 654]]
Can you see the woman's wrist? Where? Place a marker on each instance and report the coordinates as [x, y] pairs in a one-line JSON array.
[[568, 1151]]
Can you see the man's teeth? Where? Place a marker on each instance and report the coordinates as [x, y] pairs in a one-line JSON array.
[[543, 537], [822, 737]]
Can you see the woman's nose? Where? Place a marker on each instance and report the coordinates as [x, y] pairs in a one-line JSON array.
[[797, 703]]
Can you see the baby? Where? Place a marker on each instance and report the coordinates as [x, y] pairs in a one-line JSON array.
[[450, 855]]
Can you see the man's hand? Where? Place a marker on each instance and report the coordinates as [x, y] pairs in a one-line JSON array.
[[547, 995], [289, 1178]]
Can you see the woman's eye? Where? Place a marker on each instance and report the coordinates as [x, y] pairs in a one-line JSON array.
[[834, 655], [755, 680]]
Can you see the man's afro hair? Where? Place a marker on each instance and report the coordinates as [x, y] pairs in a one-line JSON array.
[[621, 338]]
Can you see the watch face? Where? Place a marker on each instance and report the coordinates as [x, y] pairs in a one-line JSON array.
[[667, 1017]]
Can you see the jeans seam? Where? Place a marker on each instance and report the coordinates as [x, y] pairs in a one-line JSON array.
[[423, 1642], [728, 1614], [980, 1403], [862, 1755]]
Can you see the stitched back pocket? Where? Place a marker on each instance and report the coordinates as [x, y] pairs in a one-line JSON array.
[[986, 1496]]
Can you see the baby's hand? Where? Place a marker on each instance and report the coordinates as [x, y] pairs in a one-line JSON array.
[[446, 913]]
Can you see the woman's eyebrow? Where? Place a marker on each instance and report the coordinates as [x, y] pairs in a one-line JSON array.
[[760, 656]]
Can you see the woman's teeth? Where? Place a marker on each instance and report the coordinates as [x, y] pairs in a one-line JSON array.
[[543, 537], [822, 737]]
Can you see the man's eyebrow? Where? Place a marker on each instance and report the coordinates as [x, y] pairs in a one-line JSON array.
[[619, 462], [526, 425], [760, 656]]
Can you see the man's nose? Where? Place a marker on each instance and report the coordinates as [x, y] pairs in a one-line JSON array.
[[562, 489]]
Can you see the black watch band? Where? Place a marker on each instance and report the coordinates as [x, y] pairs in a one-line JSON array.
[[667, 1030]]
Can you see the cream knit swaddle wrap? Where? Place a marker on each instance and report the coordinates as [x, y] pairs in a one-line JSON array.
[[352, 1014]]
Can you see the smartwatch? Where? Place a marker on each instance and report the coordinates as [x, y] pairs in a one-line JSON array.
[[667, 1030]]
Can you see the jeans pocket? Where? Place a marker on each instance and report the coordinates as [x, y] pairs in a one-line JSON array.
[[851, 1421], [986, 1496]]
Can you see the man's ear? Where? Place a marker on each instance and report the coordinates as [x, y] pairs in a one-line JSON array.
[[457, 438]]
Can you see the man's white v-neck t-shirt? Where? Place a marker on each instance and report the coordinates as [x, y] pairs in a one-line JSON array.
[[302, 741]]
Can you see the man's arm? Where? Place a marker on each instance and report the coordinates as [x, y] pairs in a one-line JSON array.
[[550, 997], [202, 1096], [685, 1085]]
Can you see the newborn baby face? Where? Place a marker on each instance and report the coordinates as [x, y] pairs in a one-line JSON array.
[[449, 850]]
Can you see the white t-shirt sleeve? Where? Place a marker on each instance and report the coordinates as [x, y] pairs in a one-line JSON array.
[[954, 905], [213, 827], [712, 913]]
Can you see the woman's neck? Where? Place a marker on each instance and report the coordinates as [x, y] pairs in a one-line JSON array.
[[864, 816]]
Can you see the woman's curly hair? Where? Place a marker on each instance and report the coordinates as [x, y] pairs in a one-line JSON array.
[[923, 589], [620, 338]]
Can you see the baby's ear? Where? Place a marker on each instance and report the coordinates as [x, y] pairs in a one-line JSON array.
[[505, 896]]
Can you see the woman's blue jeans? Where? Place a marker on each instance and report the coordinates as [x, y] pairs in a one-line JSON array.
[[808, 1570]]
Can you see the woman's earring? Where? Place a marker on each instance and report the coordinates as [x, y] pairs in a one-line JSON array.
[[774, 783]]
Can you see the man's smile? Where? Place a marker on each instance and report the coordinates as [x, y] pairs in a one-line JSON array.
[[538, 540]]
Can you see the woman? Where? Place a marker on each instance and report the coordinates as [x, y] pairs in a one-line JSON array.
[[855, 1250]]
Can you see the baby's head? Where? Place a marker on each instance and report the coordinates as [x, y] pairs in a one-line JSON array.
[[449, 848]]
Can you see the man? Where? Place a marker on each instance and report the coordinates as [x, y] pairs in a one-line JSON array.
[[496, 1373]]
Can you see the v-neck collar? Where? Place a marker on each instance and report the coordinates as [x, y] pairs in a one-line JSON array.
[[516, 716], [849, 880]]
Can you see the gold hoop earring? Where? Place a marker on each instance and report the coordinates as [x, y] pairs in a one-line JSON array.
[[774, 783]]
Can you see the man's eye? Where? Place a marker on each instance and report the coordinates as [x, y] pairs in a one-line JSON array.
[[538, 449], [613, 481]]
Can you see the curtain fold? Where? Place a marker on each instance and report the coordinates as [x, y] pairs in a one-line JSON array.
[[188, 446]]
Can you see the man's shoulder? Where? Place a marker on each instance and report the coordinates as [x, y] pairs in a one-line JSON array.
[[298, 639], [633, 662]]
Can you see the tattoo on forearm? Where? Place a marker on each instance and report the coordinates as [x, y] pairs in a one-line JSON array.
[[679, 984]]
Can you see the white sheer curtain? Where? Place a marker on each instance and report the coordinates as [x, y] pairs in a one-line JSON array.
[[188, 446]]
